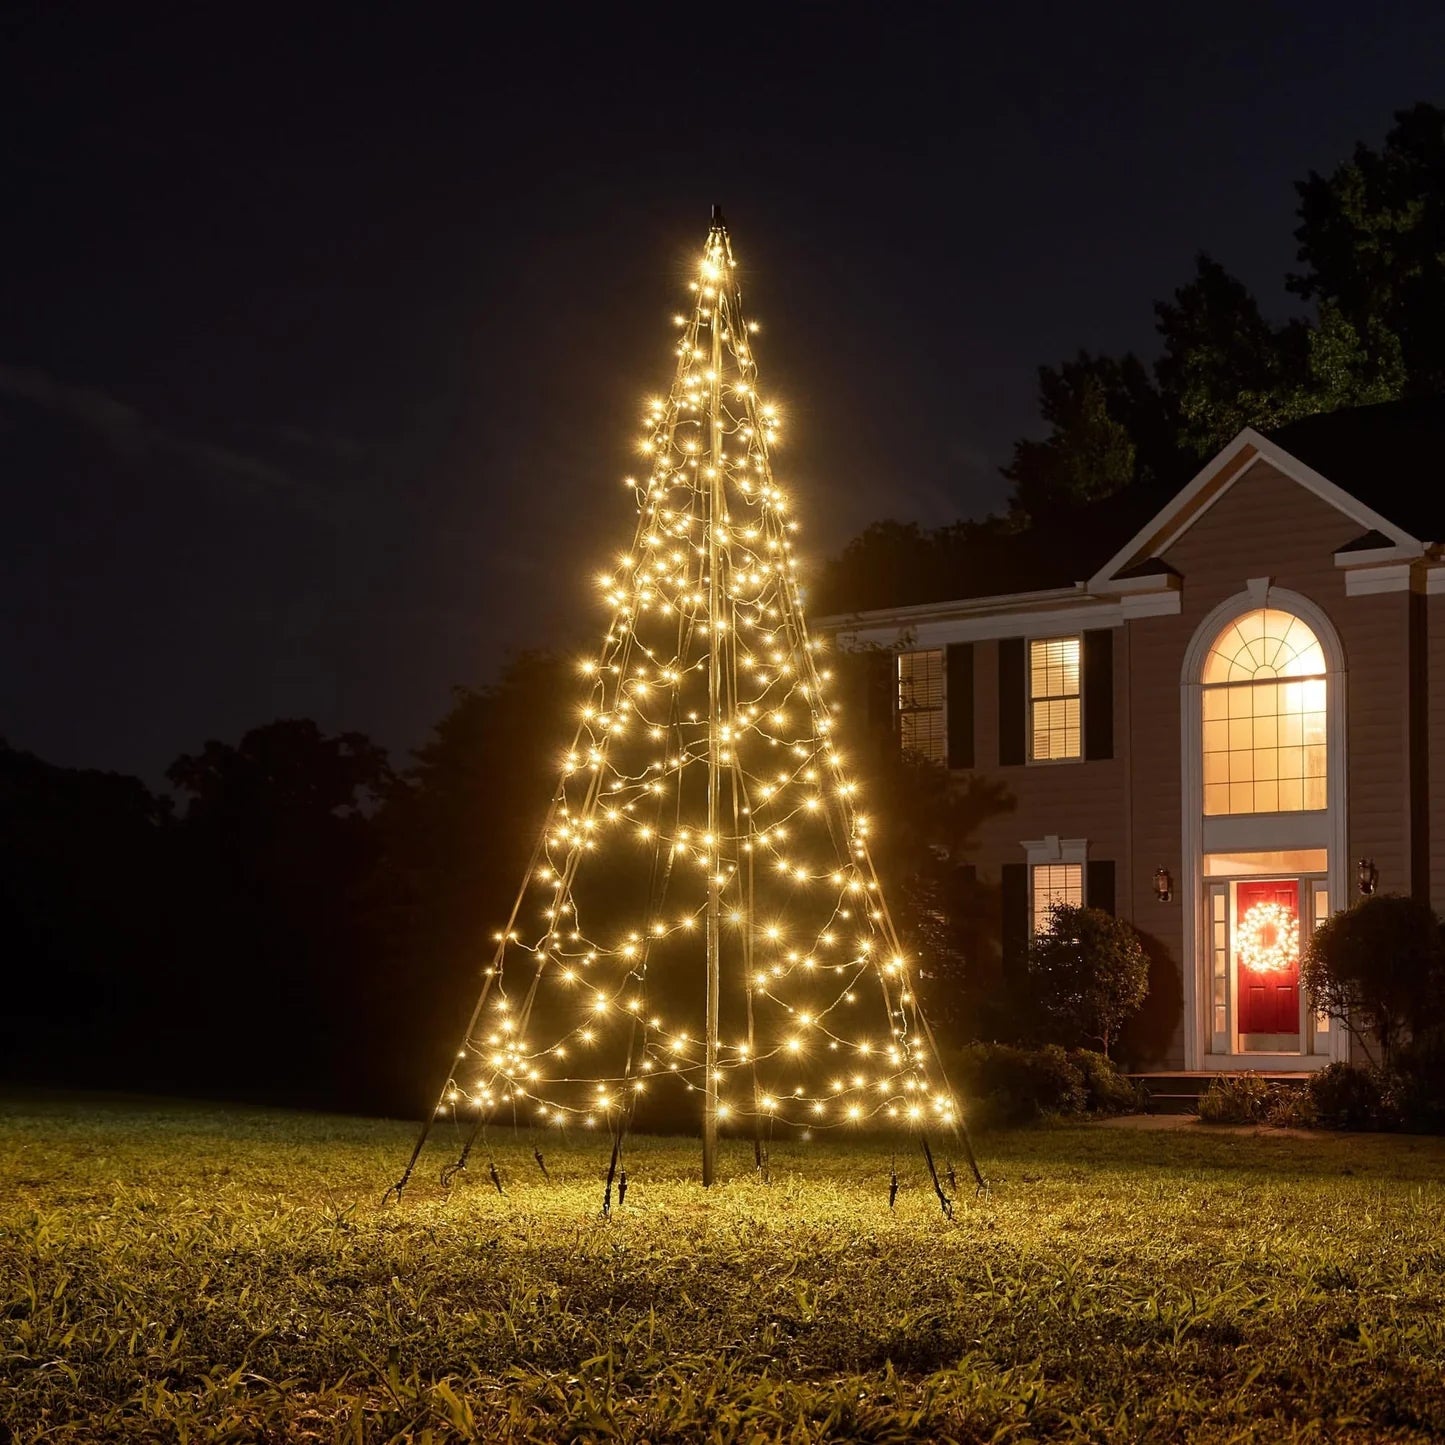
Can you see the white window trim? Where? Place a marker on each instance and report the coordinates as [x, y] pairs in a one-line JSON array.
[[1053, 849], [1259, 590], [1029, 759], [1245, 831]]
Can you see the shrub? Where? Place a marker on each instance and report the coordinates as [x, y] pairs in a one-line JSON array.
[[1381, 966], [1417, 1087], [1106, 1090], [1001, 1084], [1346, 1096], [1291, 1108], [1088, 972], [1236, 1099]]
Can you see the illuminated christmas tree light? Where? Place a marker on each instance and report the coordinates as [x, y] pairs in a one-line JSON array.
[[701, 915]]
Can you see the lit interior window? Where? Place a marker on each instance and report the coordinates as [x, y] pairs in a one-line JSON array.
[[921, 728], [1054, 703], [1264, 717], [1056, 883]]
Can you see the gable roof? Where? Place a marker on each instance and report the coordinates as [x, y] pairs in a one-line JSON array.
[[1381, 465], [1378, 465], [1390, 456]]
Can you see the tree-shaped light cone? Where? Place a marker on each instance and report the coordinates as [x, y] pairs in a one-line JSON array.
[[701, 917]]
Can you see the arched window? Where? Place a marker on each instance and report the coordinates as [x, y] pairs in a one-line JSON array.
[[1264, 716]]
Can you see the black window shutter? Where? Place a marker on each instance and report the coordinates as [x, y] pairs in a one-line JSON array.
[[1099, 693], [880, 701], [1099, 885], [1011, 700], [1014, 922], [960, 705]]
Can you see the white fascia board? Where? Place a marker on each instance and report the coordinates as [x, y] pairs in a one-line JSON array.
[[1152, 604], [1374, 556], [1053, 849], [1158, 525], [1167, 526], [939, 631], [1366, 581], [1152, 582], [943, 611]]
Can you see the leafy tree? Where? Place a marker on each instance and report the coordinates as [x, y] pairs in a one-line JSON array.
[[891, 560], [1225, 367], [945, 916], [1379, 968], [1372, 242], [921, 845], [1218, 347], [454, 835], [287, 770], [1105, 431], [1088, 973], [85, 919], [272, 864]]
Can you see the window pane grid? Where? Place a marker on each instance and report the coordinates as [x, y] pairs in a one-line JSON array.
[[1264, 643], [1264, 747], [1056, 883], [1322, 912], [1055, 709], [921, 722], [1219, 957]]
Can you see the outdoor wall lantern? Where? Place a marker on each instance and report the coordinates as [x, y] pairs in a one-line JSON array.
[[1163, 885], [1369, 876]]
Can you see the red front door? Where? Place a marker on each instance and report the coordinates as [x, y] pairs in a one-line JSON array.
[[1266, 949]]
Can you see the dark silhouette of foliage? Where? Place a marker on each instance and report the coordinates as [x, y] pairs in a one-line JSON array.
[[455, 833], [84, 917], [1346, 1096], [1379, 968], [925, 825], [1372, 243], [892, 560], [272, 863], [1107, 429], [1225, 367], [1088, 973], [1372, 240]]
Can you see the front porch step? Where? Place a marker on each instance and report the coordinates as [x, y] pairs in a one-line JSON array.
[[1178, 1092]]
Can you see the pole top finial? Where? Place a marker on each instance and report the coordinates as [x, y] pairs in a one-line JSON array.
[[717, 219]]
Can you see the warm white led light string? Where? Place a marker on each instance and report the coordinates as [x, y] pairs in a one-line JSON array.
[[586, 1013], [1267, 937]]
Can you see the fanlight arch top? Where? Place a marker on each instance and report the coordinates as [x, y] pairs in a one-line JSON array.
[[1262, 644]]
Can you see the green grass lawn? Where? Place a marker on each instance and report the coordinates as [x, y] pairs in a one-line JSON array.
[[170, 1272]]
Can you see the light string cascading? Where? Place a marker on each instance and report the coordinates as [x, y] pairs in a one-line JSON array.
[[704, 790]]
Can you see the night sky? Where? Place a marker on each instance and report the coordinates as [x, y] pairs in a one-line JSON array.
[[323, 336]]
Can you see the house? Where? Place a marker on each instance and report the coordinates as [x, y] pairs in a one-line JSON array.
[[1231, 727]]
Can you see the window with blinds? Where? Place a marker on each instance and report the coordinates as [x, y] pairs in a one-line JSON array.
[[922, 728], [1055, 704], [1055, 883]]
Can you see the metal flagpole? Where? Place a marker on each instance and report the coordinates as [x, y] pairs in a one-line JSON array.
[[714, 718]]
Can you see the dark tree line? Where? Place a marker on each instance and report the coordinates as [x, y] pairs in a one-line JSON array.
[[301, 922]]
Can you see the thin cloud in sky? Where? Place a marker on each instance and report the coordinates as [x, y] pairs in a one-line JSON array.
[[130, 433]]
